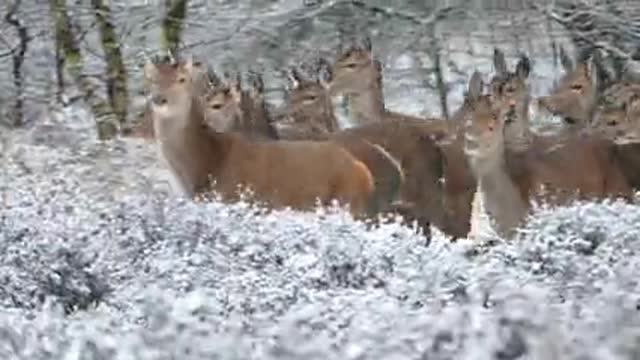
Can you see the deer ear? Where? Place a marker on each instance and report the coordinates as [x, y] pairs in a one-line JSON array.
[[591, 71], [366, 43], [324, 72], [523, 69], [499, 62], [475, 86], [188, 64], [235, 87], [198, 65], [150, 71], [293, 76], [257, 84], [565, 60], [633, 104], [213, 78]]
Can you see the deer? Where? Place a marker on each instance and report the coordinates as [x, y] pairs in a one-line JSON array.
[[618, 117], [230, 108], [412, 143], [143, 128], [294, 174], [387, 173], [618, 108], [513, 88], [576, 94], [309, 110], [358, 75], [554, 170]]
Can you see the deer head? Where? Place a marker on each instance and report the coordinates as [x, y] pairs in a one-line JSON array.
[[355, 70], [510, 86], [308, 100], [512, 89], [222, 105], [575, 95], [484, 125], [618, 112], [171, 85]]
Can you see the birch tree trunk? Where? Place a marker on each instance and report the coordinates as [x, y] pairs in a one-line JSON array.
[[116, 73], [74, 64]]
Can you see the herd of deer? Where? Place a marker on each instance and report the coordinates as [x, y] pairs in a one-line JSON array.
[[215, 135]]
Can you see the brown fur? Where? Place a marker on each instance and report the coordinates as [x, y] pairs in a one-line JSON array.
[[230, 108], [143, 127], [618, 118], [309, 115], [293, 174], [421, 161], [512, 88], [408, 142], [576, 94], [566, 166], [358, 76], [386, 175]]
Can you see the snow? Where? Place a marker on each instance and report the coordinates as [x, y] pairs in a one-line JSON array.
[[99, 261]]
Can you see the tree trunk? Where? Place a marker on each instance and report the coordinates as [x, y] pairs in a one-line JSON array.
[[74, 63], [173, 23], [116, 71], [17, 57], [441, 86]]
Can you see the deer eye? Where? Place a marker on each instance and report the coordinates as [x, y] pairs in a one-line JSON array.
[[310, 99], [351, 65], [217, 106], [576, 86], [182, 80]]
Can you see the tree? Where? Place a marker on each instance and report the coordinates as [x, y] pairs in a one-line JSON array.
[[74, 64], [116, 73]]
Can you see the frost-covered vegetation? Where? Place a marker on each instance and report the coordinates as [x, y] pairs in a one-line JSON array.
[[98, 264], [99, 261]]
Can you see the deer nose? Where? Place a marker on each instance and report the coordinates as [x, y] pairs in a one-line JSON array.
[[159, 99]]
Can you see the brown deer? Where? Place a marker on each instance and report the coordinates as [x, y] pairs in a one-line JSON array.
[[143, 128], [309, 110], [572, 166], [513, 88], [619, 108], [386, 172], [358, 76], [230, 108], [618, 118], [576, 94], [279, 173], [409, 141]]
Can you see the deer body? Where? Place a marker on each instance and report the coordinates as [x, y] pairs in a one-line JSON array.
[[576, 94], [501, 196], [554, 169], [408, 142], [358, 76], [618, 118], [294, 174]]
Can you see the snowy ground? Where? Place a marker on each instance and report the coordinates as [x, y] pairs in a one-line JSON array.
[[97, 263]]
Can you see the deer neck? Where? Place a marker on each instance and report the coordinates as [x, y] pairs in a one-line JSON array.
[[326, 118], [500, 193], [367, 106], [192, 153], [518, 136], [254, 117]]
